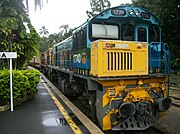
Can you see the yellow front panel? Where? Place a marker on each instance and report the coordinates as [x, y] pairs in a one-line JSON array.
[[118, 58]]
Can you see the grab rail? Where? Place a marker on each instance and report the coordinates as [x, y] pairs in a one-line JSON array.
[[161, 55]]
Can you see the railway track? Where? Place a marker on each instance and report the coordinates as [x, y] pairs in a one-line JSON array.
[[175, 103], [151, 130], [175, 89], [175, 96]]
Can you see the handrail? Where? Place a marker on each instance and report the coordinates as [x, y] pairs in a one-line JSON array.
[[165, 58], [151, 46], [167, 62]]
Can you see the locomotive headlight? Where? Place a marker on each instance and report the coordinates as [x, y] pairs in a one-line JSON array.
[[111, 92], [163, 87], [137, 12], [139, 46], [131, 12], [107, 45]]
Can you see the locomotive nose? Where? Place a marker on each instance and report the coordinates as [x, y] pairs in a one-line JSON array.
[[127, 109], [163, 104]]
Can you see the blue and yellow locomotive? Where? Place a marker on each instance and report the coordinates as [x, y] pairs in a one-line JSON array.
[[119, 64]]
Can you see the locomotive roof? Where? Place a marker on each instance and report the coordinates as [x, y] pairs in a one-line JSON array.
[[119, 9], [108, 13], [123, 12]]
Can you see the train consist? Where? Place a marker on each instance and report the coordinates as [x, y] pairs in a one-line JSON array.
[[117, 62]]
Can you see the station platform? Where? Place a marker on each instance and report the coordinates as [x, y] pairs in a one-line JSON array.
[[46, 113]]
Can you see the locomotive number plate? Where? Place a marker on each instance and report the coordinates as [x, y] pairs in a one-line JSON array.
[[121, 46]]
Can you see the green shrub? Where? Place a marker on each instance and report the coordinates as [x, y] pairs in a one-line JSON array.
[[33, 77], [24, 84], [4, 86]]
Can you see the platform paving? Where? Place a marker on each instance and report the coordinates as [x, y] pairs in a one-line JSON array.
[[38, 115], [170, 124]]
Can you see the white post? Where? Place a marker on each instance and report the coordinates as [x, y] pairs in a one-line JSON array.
[[11, 91], [9, 55]]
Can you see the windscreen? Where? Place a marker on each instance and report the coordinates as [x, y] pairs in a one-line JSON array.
[[104, 31], [127, 32]]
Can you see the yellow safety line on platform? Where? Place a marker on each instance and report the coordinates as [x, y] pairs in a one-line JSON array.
[[86, 122], [72, 124]]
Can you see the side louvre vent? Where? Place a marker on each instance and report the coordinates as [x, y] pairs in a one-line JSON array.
[[119, 61]]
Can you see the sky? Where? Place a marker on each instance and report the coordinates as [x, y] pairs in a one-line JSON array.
[[58, 12]]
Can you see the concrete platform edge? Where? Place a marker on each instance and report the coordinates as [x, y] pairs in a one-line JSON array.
[[7, 107], [4, 108]]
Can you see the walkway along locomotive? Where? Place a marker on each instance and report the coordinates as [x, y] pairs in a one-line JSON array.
[[118, 63]]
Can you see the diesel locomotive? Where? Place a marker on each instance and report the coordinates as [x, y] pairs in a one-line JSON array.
[[117, 62]]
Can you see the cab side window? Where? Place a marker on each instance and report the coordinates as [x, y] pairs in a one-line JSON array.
[[79, 39], [142, 35], [154, 34]]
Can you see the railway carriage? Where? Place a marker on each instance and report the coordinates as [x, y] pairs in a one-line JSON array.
[[117, 62]]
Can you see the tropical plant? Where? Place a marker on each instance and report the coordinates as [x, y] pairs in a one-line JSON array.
[[12, 8], [98, 6], [43, 31], [66, 35], [13, 33], [47, 42], [43, 42], [54, 38], [64, 29], [37, 3]]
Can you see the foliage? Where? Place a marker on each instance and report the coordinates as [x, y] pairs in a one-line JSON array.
[[14, 34], [7, 27], [98, 6], [66, 35], [12, 8], [29, 41], [43, 31], [54, 38], [37, 3], [33, 77], [47, 42], [43, 42], [169, 14], [65, 28], [24, 84]]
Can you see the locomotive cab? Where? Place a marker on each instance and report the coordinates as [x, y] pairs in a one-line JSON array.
[[136, 25]]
